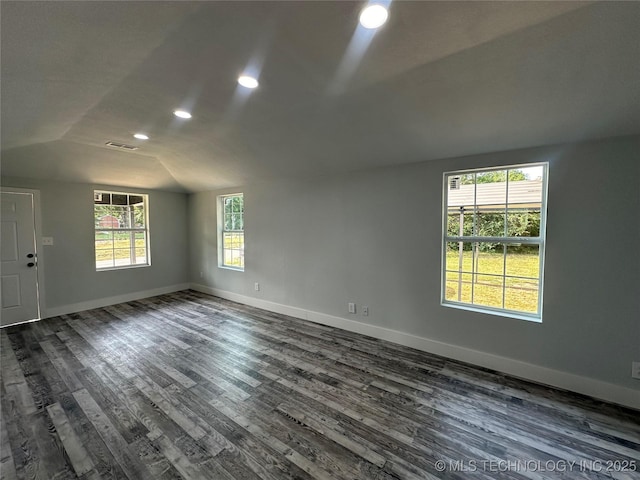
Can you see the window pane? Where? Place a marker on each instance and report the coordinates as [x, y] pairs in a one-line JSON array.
[[238, 241], [525, 201], [141, 256], [523, 261], [104, 258], [139, 216], [104, 240], [119, 199], [123, 253], [525, 186], [122, 239], [125, 217], [487, 290], [534, 173], [467, 219], [235, 220], [452, 256], [491, 198], [106, 216], [122, 256], [227, 257], [521, 283], [459, 260], [104, 249], [457, 215], [102, 198], [460, 199], [233, 249], [523, 222], [226, 239], [452, 289], [109, 216], [490, 258], [490, 221], [458, 287], [489, 177], [453, 224], [521, 295]]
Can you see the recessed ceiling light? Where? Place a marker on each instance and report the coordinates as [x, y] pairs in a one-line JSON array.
[[141, 136], [373, 16], [247, 81], [182, 114]]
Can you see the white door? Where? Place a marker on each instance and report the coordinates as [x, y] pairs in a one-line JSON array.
[[19, 284]]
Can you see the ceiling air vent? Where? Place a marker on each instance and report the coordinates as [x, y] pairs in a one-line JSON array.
[[121, 145], [454, 183]]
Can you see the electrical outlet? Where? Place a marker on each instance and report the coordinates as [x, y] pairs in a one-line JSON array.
[[47, 240], [201, 275], [635, 370], [365, 310], [256, 287], [352, 308]]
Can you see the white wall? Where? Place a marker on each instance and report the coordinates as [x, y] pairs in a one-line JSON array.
[[71, 280], [373, 237]]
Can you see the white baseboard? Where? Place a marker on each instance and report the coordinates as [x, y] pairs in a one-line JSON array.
[[104, 302], [568, 381]]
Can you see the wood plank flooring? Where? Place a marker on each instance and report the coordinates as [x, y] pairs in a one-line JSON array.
[[191, 386]]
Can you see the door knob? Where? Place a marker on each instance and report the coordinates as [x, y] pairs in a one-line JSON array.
[[30, 264], [30, 255]]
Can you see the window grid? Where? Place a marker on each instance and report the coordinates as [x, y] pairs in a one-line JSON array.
[[232, 231], [478, 275], [485, 269], [121, 230]]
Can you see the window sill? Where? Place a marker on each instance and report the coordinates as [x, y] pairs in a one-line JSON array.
[[234, 269], [122, 267], [489, 311]]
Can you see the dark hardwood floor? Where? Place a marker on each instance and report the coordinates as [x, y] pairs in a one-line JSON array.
[[191, 386]]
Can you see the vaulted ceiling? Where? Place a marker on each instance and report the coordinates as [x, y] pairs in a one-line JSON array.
[[440, 79]]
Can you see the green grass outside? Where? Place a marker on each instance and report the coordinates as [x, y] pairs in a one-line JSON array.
[[481, 288], [119, 247]]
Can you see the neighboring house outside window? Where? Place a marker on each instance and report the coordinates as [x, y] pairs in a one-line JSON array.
[[109, 221], [231, 231], [121, 229], [494, 240]]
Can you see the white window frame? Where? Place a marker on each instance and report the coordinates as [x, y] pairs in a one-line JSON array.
[[222, 231], [133, 230], [540, 241]]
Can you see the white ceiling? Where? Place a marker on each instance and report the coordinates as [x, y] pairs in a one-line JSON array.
[[440, 79]]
